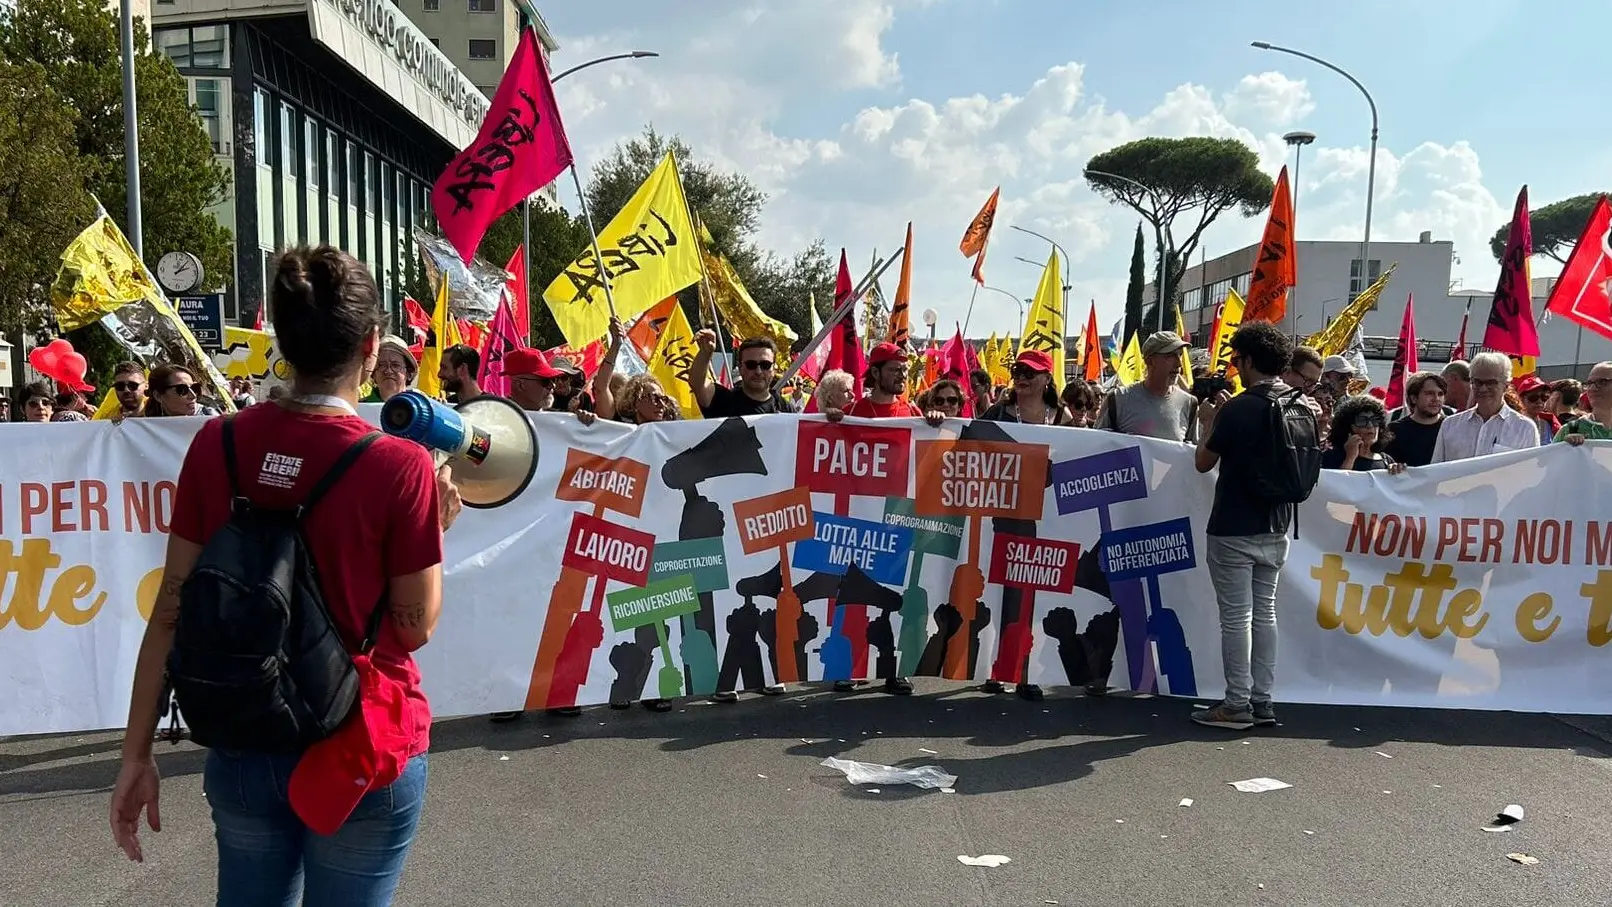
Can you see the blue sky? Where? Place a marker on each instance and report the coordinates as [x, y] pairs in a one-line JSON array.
[[859, 115]]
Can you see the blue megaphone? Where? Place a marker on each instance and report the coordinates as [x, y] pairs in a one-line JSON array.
[[488, 441]]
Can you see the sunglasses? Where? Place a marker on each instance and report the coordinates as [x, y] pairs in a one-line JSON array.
[[1024, 371], [948, 401], [127, 385], [1598, 383], [1367, 420], [42, 403], [183, 390], [758, 365]]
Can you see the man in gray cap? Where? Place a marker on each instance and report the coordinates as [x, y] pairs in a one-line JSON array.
[[1336, 373], [1156, 406]]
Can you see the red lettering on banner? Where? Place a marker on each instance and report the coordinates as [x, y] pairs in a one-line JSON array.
[[143, 501], [1475, 540], [602, 548], [774, 520], [1046, 565], [839, 458], [62, 507]]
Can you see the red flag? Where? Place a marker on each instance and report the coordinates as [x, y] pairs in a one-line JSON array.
[[846, 349], [470, 333], [1581, 293], [1092, 358], [587, 359], [1405, 360], [1511, 318], [419, 325], [502, 336], [1458, 354], [257, 323], [517, 294], [520, 149]]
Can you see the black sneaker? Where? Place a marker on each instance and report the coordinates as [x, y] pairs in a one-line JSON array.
[[1264, 713], [995, 686], [564, 711], [845, 686], [725, 696], [1031, 692], [504, 717], [898, 686], [658, 705]]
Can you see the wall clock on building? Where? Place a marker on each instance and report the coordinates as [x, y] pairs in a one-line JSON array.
[[179, 272]]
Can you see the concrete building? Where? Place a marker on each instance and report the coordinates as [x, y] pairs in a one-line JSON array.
[[335, 117], [1331, 275]]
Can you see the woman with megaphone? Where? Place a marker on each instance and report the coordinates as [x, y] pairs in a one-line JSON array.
[[327, 814]]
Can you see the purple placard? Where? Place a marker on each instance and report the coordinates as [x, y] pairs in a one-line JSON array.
[[1085, 483]]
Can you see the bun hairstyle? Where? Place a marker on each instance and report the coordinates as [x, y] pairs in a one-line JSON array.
[[324, 304]]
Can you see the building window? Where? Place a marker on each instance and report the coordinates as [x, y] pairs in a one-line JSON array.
[[1357, 284], [354, 178], [207, 107], [483, 49], [484, 6], [290, 131], [332, 164], [202, 47], [432, 6], [264, 129], [436, 42], [310, 150]]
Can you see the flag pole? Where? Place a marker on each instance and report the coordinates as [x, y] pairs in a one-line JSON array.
[[839, 312], [706, 291], [968, 317], [604, 272]]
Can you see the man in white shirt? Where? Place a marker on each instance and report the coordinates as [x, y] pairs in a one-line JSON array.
[[1490, 426]]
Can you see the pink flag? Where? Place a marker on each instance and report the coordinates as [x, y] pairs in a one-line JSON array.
[[1404, 360], [502, 336], [520, 149], [1511, 318], [1458, 354], [517, 293], [845, 346]]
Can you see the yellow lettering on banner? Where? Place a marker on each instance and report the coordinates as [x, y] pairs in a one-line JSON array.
[[27, 569], [1534, 609], [145, 594], [1600, 595], [1410, 600]]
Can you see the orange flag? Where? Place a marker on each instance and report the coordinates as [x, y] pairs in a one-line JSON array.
[[644, 335], [900, 331], [1092, 357], [1276, 268], [978, 235]]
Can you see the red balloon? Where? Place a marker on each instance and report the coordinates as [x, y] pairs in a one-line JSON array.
[[59, 362]]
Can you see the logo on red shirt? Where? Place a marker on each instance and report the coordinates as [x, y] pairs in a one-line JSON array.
[[279, 471]]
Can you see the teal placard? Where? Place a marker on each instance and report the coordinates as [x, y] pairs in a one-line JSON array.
[[940, 535], [659, 601], [704, 559]]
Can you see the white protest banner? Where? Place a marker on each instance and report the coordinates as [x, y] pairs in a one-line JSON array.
[[686, 558]]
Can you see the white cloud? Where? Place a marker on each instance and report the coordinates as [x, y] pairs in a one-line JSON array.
[[809, 101]]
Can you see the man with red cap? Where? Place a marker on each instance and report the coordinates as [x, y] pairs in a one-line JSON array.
[[531, 379]]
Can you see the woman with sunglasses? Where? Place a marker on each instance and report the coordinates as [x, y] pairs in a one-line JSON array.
[[944, 397], [1358, 436], [1035, 396], [172, 392], [35, 403], [1081, 401]]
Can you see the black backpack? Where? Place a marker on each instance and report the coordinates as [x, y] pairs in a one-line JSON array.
[[257, 662], [1294, 465]]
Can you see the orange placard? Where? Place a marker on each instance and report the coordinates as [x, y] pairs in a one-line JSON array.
[[610, 483], [774, 520], [981, 479]]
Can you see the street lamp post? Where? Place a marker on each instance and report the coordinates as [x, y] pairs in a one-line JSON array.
[[1298, 139], [526, 208], [1012, 297], [131, 129], [1164, 246], [1371, 164], [1064, 282]]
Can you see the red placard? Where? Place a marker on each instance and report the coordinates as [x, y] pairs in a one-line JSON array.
[[1046, 565], [602, 548], [842, 458], [774, 520]]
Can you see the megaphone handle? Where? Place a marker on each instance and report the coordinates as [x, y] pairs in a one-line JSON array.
[[439, 458]]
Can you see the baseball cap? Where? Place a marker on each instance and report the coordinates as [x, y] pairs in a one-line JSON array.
[[885, 352], [566, 366], [1527, 384], [1161, 342], [367, 752], [521, 363], [400, 346], [1337, 364], [1036, 360]]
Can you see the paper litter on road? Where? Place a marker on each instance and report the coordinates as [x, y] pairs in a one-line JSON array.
[[924, 749], [990, 859], [1523, 858], [1382, 754], [929, 777], [1308, 832], [1185, 801], [1507, 817], [1259, 785], [874, 790], [761, 776], [503, 758]]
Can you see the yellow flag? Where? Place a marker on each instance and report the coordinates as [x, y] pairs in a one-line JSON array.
[[1231, 318], [109, 406], [442, 334], [670, 363], [733, 303], [1001, 368], [251, 354], [1333, 339], [1523, 365], [1043, 326], [99, 274], [1185, 379], [1130, 367], [989, 354], [650, 251]]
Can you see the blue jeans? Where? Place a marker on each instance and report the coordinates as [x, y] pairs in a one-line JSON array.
[[1244, 570], [267, 858]]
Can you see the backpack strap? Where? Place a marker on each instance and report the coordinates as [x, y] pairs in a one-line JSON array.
[[336, 471], [227, 430]]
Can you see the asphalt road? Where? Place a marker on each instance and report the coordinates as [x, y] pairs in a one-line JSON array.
[[713, 804]]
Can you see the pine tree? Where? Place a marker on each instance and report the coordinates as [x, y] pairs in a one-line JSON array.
[[1133, 292]]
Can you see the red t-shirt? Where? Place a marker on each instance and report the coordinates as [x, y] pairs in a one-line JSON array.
[[379, 521], [898, 408]]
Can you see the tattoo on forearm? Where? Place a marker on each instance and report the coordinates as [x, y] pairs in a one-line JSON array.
[[409, 616], [171, 584]]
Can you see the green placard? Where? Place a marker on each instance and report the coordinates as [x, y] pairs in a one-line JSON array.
[[656, 602], [703, 559], [942, 535]]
